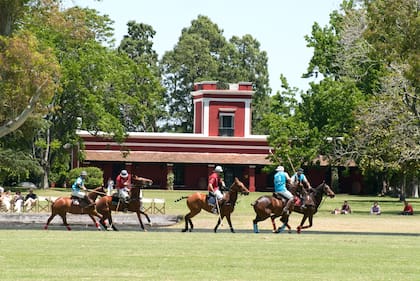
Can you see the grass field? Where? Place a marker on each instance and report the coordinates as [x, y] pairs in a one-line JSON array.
[[338, 247]]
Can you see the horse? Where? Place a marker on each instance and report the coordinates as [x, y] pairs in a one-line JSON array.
[[198, 201], [107, 204], [264, 208], [64, 205]]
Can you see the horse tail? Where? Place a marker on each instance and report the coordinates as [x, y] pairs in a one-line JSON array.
[[181, 198]]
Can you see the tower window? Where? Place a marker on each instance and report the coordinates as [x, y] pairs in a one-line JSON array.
[[226, 124]]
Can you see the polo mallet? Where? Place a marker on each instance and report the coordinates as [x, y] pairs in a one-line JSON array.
[[218, 211]]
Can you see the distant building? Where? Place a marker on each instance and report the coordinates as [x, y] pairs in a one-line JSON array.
[[222, 136]]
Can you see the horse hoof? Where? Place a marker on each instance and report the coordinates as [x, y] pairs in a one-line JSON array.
[[299, 230], [281, 229], [184, 230]]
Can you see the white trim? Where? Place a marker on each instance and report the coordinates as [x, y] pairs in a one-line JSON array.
[[182, 145], [180, 136], [247, 119]]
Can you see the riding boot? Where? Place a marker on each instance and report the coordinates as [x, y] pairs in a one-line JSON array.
[[287, 207]]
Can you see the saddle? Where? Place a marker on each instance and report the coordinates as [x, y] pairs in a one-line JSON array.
[[76, 201], [279, 196]]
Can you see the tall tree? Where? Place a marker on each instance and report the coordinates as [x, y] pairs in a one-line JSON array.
[[242, 60], [203, 53], [145, 81]]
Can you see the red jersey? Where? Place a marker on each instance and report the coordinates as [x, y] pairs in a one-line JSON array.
[[121, 182], [214, 180], [408, 209]]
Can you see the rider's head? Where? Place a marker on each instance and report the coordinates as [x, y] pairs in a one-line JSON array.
[[280, 169], [83, 174], [124, 174], [300, 171], [218, 169]]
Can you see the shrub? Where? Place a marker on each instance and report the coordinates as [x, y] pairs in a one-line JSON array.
[[94, 179]]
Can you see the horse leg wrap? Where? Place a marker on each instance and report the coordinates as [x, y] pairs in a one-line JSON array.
[[256, 228]]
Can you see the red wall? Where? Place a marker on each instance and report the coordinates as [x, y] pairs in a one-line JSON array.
[[193, 175], [239, 117], [198, 117]]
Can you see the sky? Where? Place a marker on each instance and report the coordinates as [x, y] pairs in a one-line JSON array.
[[279, 26]]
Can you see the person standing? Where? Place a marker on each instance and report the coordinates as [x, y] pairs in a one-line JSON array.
[[280, 180], [123, 183], [109, 186], [215, 181]]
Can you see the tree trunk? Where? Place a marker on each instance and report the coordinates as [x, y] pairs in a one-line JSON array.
[[13, 125]]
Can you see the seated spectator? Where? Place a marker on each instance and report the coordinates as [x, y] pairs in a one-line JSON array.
[[375, 209], [345, 209], [408, 209], [30, 200], [17, 202], [5, 201]]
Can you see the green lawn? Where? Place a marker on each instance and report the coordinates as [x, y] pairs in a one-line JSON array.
[[338, 247], [170, 255]]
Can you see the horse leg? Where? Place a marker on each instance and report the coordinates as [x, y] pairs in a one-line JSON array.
[[300, 227], [188, 220], [147, 217], [219, 220], [64, 218], [95, 222], [255, 223], [95, 213], [273, 223], [140, 221], [49, 220], [229, 222], [310, 223]]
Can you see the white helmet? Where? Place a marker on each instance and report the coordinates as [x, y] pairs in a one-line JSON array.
[[83, 173], [280, 169], [124, 173], [218, 169]]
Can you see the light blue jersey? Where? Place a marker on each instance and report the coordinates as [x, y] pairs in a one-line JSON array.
[[280, 182], [77, 184]]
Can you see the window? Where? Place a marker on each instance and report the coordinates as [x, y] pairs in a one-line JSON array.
[[226, 124]]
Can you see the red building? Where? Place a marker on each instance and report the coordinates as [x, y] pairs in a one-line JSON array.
[[222, 136]]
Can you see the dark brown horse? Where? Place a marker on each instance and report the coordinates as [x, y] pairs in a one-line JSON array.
[[198, 201], [264, 208], [107, 204], [64, 205]]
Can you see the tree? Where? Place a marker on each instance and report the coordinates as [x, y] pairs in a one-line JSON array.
[[28, 74], [203, 53], [145, 80], [242, 60], [11, 11]]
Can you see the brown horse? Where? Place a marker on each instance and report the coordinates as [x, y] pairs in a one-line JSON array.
[[264, 209], [198, 201], [107, 204], [64, 205]]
